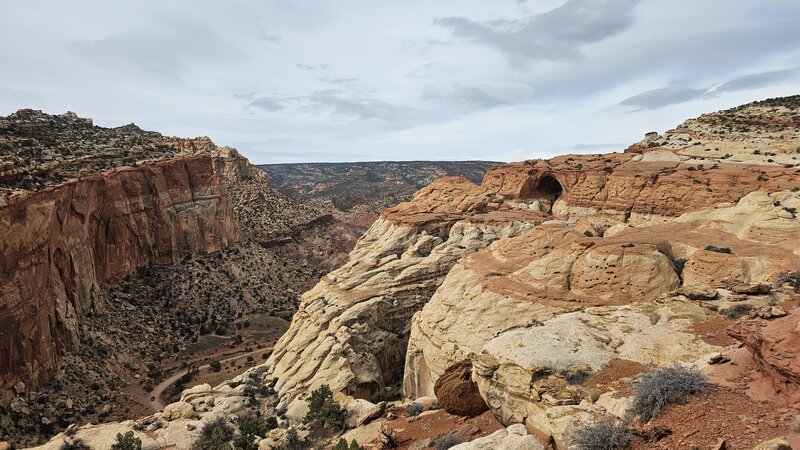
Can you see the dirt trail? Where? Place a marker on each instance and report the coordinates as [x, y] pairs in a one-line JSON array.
[[154, 397]]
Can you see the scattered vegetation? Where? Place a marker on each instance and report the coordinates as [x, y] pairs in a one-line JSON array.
[[603, 435], [656, 389], [127, 441], [324, 411]]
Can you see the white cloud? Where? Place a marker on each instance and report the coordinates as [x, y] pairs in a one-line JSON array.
[[452, 79]]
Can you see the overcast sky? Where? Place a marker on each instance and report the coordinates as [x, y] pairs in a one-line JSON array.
[[344, 80]]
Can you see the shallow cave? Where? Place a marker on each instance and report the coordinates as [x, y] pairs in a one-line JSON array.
[[546, 190]]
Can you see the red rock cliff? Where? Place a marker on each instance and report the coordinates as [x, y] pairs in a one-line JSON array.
[[57, 244]]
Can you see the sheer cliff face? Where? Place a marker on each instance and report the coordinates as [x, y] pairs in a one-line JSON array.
[[59, 243]]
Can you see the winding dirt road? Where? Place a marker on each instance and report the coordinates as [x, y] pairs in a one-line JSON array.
[[154, 397]]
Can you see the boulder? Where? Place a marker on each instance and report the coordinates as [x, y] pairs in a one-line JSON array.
[[178, 410], [515, 437], [457, 393], [751, 289]]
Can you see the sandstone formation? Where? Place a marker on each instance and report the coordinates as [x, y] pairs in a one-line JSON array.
[[554, 283], [609, 244], [351, 329]]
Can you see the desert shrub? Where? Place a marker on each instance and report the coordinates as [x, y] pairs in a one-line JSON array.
[[577, 374], [75, 444], [216, 436], [342, 445], [446, 441], [414, 409], [291, 440], [258, 426], [127, 442], [794, 280], [215, 366], [714, 248], [246, 442], [602, 435], [657, 388], [737, 310], [323, 410]]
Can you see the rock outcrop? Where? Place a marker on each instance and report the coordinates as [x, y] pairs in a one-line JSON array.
[[352, 328]]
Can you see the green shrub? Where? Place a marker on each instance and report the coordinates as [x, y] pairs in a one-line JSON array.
[[127, 442], [324, 411], [342, 445], [657, 388], [292, 440], [602, 435], [246, 442], [251, 430], [216, 435]]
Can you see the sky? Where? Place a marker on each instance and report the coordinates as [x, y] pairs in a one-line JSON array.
[[361, 80]]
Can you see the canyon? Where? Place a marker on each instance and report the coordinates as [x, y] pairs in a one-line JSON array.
[[531, 300]]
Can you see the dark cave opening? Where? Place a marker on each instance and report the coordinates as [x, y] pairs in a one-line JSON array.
[[549, 187]]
